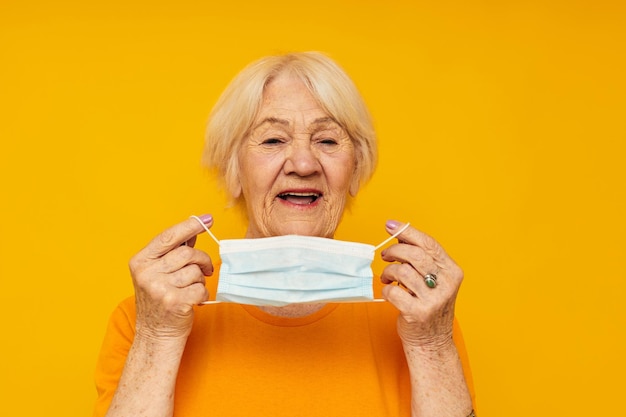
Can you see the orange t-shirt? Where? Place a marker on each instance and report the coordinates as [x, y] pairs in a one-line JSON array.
[[344, 360]]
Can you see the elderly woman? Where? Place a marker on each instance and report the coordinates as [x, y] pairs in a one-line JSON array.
[[293, 141]]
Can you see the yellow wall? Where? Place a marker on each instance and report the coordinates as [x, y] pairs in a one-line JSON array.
[[502, 132]]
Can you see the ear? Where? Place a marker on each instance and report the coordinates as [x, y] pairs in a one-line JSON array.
[[234, 187], [354, 185], [355, 181], [236, 191]]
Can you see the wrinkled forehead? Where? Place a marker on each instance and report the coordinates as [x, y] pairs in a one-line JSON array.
[[289, 103], [286, 123]]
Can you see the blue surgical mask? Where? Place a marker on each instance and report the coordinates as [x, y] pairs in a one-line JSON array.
[[291, 269]]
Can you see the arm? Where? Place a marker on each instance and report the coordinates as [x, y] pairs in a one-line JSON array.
[[168, 280], [148, 381], [438, 386], [425, 323]]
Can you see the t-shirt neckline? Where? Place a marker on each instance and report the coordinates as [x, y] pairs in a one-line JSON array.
[[290, 321]]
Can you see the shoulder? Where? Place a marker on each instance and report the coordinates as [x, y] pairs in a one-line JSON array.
[[122, 320]]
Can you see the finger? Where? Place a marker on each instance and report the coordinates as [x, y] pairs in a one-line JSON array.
[[187, 276], [191, 242], [175, 236], [177, 301], [195, 293], [183, 256], [415, 237], [401, 299], [413, 255], [406, 277]]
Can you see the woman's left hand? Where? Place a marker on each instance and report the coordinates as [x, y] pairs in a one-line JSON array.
[[426, 314]]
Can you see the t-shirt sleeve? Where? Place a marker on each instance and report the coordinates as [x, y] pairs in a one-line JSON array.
[[115, 346]]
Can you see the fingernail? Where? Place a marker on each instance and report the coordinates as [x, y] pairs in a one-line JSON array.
[[206, 218], [392, 224]]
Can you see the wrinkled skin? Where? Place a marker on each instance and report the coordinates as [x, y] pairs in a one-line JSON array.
[[426, 314], [169, 277], [296, 166]]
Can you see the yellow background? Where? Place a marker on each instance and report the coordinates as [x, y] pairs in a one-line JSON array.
[[502, 133]]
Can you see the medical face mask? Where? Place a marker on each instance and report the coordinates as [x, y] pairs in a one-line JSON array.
[[291, 269]]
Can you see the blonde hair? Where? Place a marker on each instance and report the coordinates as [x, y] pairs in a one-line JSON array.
[[232, 116]]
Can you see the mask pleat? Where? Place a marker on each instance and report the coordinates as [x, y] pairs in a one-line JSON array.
[[294, 269]]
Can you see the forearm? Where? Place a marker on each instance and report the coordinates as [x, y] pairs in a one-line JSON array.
[[438, 386], [146, 387]]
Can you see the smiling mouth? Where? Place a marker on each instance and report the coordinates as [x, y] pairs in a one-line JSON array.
[[300, 198]]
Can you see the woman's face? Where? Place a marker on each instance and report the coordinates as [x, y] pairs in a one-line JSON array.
[[296, 166]]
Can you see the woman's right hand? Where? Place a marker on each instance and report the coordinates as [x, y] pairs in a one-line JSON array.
[[168, 275]]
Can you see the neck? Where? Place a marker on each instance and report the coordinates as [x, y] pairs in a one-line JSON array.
[[292, 310]]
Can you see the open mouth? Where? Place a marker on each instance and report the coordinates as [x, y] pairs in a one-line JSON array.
[[299, 198]]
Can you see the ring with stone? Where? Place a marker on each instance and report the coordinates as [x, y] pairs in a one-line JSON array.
[[431, 280]]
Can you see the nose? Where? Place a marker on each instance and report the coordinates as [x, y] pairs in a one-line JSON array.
[[301, 159]]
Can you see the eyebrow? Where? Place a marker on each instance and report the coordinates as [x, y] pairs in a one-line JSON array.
[[284, 122]]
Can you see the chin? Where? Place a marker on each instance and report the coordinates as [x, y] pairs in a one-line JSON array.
[[305, 229]]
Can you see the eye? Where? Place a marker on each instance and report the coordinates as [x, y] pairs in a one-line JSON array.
[[272, 141], [328, 141], [329, 137]]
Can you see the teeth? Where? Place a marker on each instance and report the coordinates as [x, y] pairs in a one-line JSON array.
[[299, 194], [299, 198]]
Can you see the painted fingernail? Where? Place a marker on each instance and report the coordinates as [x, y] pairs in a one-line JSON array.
[[206, 218], [392, 224]]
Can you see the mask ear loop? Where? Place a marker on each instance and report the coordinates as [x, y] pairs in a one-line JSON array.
[[395, 235], [207, 229], [218, 243]]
